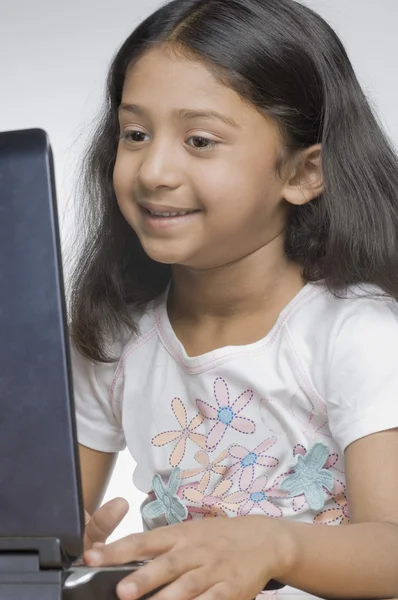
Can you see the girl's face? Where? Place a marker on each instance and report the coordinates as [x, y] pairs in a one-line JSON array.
[[195, 168]]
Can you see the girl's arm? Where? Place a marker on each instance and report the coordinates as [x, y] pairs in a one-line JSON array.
[[234, 558], [358, 560], [96, 469]]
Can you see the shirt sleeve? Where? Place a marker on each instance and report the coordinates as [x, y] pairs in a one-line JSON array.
[[97, 425], [362, 384]]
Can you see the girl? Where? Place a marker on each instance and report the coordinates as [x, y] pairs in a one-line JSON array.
[[234, 311]]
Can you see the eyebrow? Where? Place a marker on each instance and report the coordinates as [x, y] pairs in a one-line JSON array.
[[184, 113]]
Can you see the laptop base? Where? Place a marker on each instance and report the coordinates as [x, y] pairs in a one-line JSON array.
[[30, 569]]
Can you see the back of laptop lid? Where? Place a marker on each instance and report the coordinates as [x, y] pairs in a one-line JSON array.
[[39, 473]]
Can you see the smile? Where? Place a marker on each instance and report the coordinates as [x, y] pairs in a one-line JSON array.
[[166, 215], [165, 212], [166, 218]]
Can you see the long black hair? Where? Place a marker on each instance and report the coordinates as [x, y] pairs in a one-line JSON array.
[[288, 62]]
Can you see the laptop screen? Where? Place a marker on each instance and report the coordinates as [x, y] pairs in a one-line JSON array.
[[39, 473]]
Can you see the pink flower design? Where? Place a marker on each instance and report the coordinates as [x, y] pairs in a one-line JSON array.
[[226, 414], [218, 502], [338, 515], [181, 436], [205, 512], [312, 424], [248, 459], [180, 494], [338, 488], [207, 468], [257, 497]]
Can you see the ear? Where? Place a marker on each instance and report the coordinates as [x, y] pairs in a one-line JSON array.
[[306, 181]]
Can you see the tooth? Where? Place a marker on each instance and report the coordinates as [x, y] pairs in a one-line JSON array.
[[169, 214]]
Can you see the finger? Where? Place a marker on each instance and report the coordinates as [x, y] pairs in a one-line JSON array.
[[220, 591], [186, 587], [139, 546], [104, 521], [177, 568], [87, 517], [81, 561]]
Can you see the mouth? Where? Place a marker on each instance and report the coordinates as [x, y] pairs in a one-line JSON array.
[[166, 213]]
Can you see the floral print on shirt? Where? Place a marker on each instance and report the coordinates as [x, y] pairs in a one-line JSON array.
[[208, 467], [219, 499], [310, 478], [167, 502], [248, 459], [331, 464], [257, 496], [246, 486], [339, 515], [226, 413], [187, 431]]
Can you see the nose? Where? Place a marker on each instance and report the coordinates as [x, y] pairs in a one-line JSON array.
[[160, 167]]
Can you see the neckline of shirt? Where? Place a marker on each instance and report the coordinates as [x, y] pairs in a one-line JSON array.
[[195, 364]]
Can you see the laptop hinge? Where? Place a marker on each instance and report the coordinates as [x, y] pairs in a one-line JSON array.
[[30, 569]]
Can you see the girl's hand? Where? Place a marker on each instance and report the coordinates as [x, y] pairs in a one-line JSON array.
[[211, 559], [103, 522]]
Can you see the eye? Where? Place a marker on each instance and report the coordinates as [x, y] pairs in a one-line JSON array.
[[203, 143], [133, 135]]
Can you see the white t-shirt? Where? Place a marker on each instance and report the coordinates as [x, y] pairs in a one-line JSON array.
[[256, 429]]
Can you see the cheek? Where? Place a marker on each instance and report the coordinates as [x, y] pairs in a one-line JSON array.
[[248, 190], [123, 185], [123, 176], [220, 185]]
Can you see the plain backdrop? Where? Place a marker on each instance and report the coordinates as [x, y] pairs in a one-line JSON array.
[[54, 57]]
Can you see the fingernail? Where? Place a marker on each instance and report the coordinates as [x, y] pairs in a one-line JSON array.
[[94, 557], [128, 589]]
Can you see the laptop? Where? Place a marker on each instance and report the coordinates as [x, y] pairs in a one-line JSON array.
[[41, 511]]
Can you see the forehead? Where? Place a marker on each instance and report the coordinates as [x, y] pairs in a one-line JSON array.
[[169, 80]]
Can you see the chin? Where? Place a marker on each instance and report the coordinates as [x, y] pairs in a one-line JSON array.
[[161, 255], [171, 252]]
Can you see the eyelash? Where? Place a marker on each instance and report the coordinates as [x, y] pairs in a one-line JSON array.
[[125, 135]]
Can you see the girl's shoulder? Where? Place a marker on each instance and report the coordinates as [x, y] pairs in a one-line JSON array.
[[321, 313], [347, 343], [351, 332]]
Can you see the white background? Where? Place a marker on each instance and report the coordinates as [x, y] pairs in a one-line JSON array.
[[54, 57]]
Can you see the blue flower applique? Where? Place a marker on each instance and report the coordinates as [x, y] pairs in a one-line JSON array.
[[309, 477], [167, 503]]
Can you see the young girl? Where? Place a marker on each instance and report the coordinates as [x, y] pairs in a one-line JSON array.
[[234, 311]]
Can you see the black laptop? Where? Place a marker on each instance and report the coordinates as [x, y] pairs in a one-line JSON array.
[[41, 512]]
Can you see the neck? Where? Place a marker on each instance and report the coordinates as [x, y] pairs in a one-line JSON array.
[[262, 280]]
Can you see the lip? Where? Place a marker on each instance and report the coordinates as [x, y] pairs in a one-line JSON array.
[[163, 208], [156, 223]]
